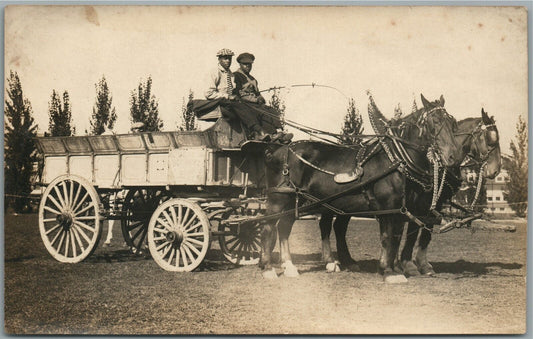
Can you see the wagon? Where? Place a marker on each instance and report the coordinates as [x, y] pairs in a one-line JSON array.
[[173, 193]]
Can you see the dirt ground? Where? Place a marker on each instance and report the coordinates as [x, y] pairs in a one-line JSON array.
[[480, 287]]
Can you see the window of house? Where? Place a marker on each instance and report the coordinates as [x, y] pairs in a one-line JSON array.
[[489, 198], [497, 198], [502, 208], [492, 208], [499, 179]]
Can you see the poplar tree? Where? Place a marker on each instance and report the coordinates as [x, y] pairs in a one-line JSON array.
[[187, 115], [144, 107], [19, 146], [60, 115], [104, 114], [353, 124], [516, 194]]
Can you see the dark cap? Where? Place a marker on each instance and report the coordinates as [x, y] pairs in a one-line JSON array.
[[245, 58]]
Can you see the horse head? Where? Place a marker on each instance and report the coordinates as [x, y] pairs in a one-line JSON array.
[[436, 128], [486, 145]]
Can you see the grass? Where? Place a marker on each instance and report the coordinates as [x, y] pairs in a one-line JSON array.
[[480, 288]]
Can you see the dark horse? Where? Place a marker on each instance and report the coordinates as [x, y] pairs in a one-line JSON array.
[[479, 140], [306, 169]]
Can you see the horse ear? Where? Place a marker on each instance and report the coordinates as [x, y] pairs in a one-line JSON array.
[[485, 117], [425, 102], [441, 100]]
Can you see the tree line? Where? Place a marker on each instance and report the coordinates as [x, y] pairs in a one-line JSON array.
[[20, 130]]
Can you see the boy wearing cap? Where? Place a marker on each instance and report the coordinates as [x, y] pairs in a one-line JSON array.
[[222, 79], [246, 84]]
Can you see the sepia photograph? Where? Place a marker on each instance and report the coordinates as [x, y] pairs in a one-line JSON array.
[[265, 170]]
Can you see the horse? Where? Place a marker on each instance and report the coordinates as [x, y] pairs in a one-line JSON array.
[[479, 140], [307, 168]]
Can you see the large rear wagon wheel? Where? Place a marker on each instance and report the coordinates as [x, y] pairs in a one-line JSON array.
[[69, 219], [178, 235], [138, 207]]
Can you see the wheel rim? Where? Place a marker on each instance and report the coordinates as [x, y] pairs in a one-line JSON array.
[[138, 207], [240, 245], [69, 220], [178, 235]]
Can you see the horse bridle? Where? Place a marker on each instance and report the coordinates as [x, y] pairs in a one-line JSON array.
[[480, 128]]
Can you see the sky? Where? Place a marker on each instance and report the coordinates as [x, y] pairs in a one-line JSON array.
[[474, 56]]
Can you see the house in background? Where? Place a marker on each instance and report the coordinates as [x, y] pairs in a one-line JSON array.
[[496, 203]]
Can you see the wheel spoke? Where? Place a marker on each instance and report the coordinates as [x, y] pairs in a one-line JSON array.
[[171, 255], [139, 231], [173, 212], [237, 243], [163, 244], [186, 216], [58, 205], [59, 197], [80, 231], [84, 210], [77, 236], [61, 241], [87, 227], [195, 241], [184, 257], [160, 230], [169, 220], [78, 191], [65, 195], [188, 251], [191, 247], [52, 229], [177, 258], [159, 238], [80, 203], [166, 225], [193, 227], [186, 226], [57, 236], [71, 195], [67, 242], [227, 242], [49, 219]]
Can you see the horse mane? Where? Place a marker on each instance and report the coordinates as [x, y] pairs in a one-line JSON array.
[[377, 119]]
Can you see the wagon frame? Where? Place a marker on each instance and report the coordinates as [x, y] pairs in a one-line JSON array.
[[173, 193]]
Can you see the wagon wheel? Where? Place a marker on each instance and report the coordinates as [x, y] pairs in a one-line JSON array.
[[138, 207], [240, 244], [69, 219], [178, 235]]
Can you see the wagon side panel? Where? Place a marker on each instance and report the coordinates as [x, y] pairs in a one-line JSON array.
[[188, 166]]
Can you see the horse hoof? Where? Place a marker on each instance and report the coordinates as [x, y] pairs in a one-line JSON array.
[[427, 271], [290, 270], [395, 279], [352, 267], [270, 274], [333, 267], [410, 269]]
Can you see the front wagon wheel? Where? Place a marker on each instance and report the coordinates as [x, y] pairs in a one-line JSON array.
[[178, 235], [69, 219]]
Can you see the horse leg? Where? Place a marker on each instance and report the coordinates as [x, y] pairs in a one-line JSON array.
[[421, 256], [408, 266], [389, 250], [325, 231], [284, 230], [268, 242], [110, 224], [341, 226]]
